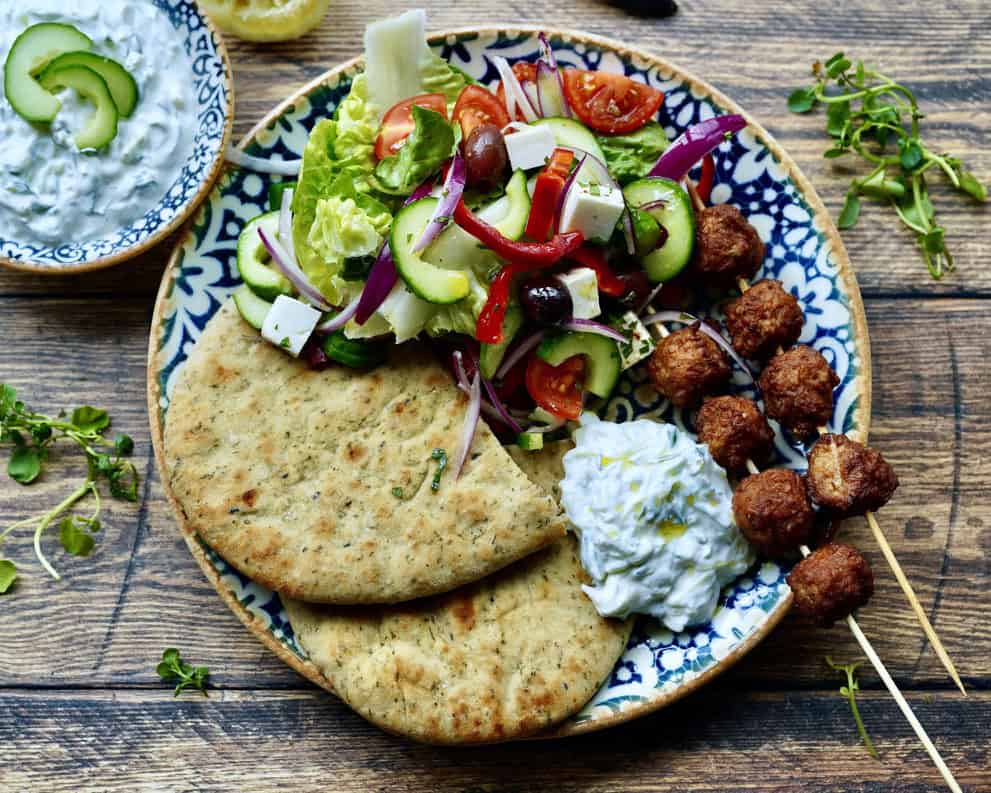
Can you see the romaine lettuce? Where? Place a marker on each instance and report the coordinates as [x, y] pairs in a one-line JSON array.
[[428, 147], [631, 157]]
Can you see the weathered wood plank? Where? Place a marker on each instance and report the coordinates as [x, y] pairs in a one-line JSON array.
[[721, 741]]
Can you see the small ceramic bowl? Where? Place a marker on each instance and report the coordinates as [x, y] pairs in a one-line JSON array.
[[213, 96]]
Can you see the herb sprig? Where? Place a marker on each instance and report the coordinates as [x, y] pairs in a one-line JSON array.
[[868, 112], [850, 692], [31, 436], [173, 668]]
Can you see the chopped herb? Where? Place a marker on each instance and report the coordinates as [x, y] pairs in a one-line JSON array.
[[440, 455], [397, 492], [285, 342], [850, 692], [172, 668]]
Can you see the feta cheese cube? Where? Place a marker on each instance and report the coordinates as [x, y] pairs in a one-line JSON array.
[[641, 343], [592, 209], [289, 323], [530, 147], [583, 286]]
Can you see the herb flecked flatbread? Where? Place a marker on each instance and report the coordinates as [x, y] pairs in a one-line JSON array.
[[318, 484]]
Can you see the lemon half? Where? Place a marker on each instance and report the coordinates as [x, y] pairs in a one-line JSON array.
[[265, 20]]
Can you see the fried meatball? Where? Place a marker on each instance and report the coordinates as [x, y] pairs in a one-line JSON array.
[[773, 511], [762, 319], [831, 583], [798, 389], [687, 365], [727, 247], [735, 430], [847, 477]]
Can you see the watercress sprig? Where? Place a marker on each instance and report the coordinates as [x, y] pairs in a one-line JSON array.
[[850, 692], [31, 436], [865, 112], [173, 668]]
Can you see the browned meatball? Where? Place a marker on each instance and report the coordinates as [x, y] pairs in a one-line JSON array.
[[735, 430], [773, 511], [847, 477], [687, 365], [727, 247], [762, 319], [831, 583], [798, 389]]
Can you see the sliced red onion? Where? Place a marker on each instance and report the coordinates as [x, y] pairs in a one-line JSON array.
[[285, 221], [340, 320], [688, 319], [693, 144], [263, 164], [650, 298], [454, 187], [547, 56], [515, 95], [671, 316], [421, 192], [660, 203], [290, 269], [471, 423], [518, 353], [500, 408], [459, 371], [591, 326], [550, 94]]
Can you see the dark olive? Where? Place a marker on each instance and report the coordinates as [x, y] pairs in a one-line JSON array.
[[637, 290], [546, 301], [485, 156]]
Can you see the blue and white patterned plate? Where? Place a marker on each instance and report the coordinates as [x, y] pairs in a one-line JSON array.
[[214, 97], [803, 250]]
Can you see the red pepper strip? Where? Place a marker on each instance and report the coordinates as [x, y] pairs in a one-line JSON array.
[[595, 259], [523, 255], [488, 329], [706, 178], [547, 194]]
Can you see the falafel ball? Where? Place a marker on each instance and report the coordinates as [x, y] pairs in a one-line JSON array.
[[687, 365], [773, 511], [762, 319], [847, 477], [798, 389], [831, 583], [727, 247], [735, 430]]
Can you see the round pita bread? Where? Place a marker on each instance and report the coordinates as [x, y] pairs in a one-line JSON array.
[[318, 484]]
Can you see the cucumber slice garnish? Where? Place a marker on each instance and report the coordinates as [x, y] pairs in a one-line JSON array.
[[30, 53], [677, 218], [101, 128], [427, 281], [122, 87], [602, 359], [254, 262], [251, 307]]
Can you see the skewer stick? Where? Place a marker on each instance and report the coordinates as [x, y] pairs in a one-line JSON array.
[[900, 576]]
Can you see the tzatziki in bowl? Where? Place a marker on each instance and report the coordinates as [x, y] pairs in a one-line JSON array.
[[115, 118]]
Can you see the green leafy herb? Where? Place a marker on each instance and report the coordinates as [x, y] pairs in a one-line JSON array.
[[397, 492], [31, 435], [172, 668], [440, 455], [867, 111], [850, 692], [631, 156], [426, 149], [8, 575]]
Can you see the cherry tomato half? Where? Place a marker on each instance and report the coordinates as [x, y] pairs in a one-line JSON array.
[[610, 103], [477, 106], [397, 123], [557, 389], [525, 73]]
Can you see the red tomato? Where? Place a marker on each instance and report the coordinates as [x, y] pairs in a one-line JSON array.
[[397, 123], [610, 103], [477, 106], [557, 389], [525, 73]]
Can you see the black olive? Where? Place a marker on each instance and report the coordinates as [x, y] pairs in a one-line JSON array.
[[485, 156], [546, 301]]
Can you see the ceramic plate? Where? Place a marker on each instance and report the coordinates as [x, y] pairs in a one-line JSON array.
[[214, 100], [803, 250]]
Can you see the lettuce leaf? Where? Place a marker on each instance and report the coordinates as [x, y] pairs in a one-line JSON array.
[[439, 77], [429, 146], [630, 157], [357, 121], [460, 317]]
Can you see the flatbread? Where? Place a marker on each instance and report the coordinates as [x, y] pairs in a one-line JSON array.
[[293, 475], [500, 659]]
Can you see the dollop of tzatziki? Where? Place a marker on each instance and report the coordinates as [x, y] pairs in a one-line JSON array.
[[51, 193], [653, 512]]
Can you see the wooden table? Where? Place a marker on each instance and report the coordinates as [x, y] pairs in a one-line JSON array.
[[83, 710]]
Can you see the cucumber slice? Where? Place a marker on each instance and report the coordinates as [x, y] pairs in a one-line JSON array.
[[646, 232], [491, 355], [530, 441], [251, 307], [253, 261], [30, 53], [568, 132], [101, 128], [353, 353], [602, 359], [427, 281], [677, 218], [122, 87], [513, 223]]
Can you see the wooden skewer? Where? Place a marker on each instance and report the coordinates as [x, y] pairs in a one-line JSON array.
[[900, 576]]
